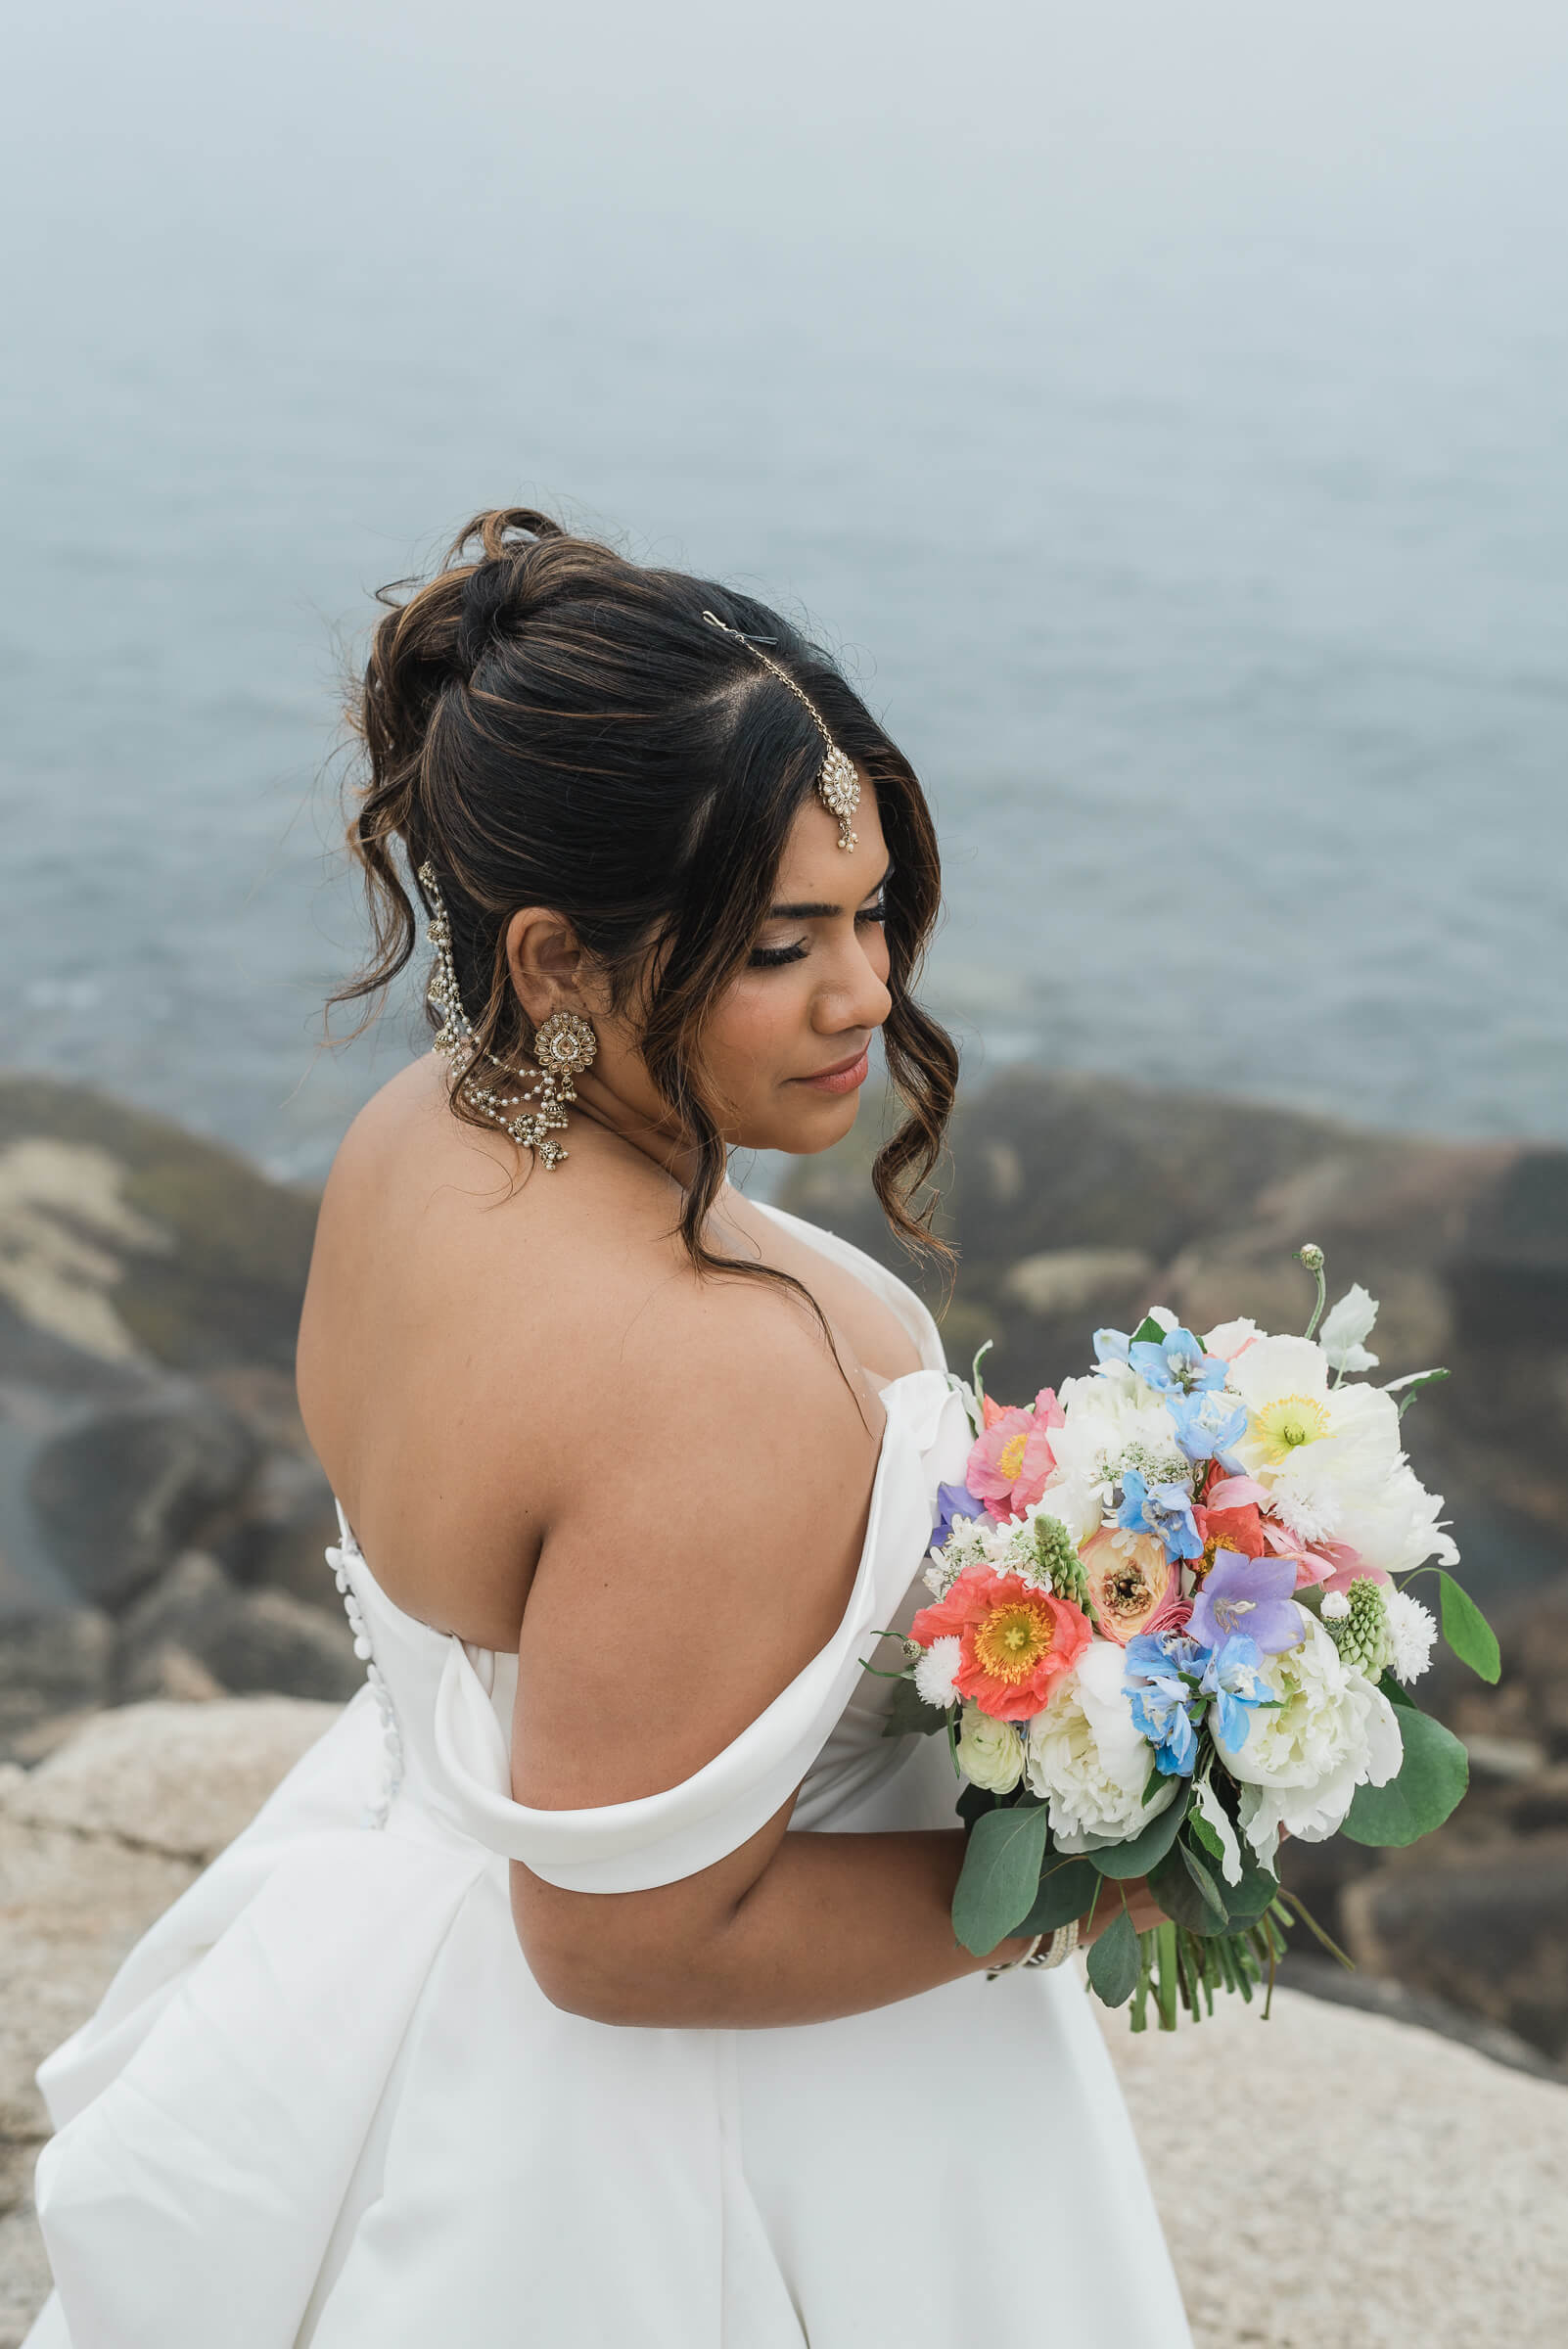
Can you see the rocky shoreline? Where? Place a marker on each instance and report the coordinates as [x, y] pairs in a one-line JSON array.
[[163, 1520]]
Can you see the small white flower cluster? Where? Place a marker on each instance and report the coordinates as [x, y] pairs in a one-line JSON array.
[[1006, 1548]]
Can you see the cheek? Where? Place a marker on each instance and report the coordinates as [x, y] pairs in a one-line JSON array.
[[756, 1033]]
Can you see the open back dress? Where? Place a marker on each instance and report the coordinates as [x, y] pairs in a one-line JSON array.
[[324, 2102]]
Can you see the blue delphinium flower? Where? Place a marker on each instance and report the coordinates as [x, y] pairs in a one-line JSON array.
[[1206, 1424], [1249, 1595], [1111, 1346], [1176, 1364], [1230, 1679], [954, 1500], [1163, 1678], [1165, 1510]]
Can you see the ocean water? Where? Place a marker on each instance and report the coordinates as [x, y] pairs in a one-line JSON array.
[[1165, 422]]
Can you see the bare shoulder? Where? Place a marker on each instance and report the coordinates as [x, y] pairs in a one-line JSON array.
[[714, 1540]]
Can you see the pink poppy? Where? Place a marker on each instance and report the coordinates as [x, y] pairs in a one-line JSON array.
[[1012, 1461]]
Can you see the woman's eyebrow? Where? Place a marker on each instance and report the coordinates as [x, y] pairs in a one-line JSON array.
[[814, 914]]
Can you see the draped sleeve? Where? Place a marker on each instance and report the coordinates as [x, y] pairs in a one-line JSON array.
[[661, 1838]]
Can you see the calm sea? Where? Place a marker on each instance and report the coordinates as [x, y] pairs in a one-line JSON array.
[[1172, 441]]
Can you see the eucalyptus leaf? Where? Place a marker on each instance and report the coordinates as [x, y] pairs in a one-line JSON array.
[[1147, 1333], [1431, 1782], [909, 1715], [1206, 1835], [1208, 1889], [999, 1877], [1179, 1896], [1067, 1890], [1467, 1631], [1145, 1851], [1113, 1962]]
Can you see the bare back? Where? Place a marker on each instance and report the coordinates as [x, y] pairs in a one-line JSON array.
[[479, 1354]]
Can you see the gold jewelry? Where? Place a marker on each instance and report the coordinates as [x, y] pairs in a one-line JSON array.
[[563, 1046], [837, 785]]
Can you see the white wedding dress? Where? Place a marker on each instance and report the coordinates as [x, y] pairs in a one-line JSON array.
[[324, 2103]]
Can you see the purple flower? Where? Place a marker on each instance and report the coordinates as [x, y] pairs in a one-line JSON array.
[[1249, 1596], [1165, 1510], [954, 1500]]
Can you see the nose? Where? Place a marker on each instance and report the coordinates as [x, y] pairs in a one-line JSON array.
[[854, 994]]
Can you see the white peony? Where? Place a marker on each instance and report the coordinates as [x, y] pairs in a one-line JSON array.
[[933, 1672], [1411, 1630], [1344, 1329], [1104, 1421], [1087, 1761], [1302, 1762], [991, 1753]]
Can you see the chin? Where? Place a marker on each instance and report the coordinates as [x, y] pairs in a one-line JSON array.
[[814, 1127]]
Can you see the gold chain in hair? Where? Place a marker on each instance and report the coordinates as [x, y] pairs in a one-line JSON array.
[[838, 786]]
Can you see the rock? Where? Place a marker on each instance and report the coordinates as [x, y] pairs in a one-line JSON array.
[[126, 1241], [1490, 1934], [119, 1494], [1079, 1280], [177, 1779], [282, 1535], [52, 1663], [1401, 2189], [194, 1619]]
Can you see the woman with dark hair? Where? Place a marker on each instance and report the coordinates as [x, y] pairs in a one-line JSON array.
[[593, 1980]]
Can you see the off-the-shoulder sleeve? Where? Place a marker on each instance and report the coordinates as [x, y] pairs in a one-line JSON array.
[[661, 1838]]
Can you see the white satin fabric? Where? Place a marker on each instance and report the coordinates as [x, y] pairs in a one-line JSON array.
[[323, 2101]]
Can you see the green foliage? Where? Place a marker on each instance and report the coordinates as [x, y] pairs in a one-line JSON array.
[[909, 1715], [1431, 1782], [1147, 1333], [1145, 1851], [1467, 1631], [1114, 1962], [1067, 1890], [1000, 1875]]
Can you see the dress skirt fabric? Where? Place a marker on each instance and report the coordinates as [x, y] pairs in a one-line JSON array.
[[324, 2103]]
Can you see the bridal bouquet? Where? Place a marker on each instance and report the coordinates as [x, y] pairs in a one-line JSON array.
[[1170, 1623]]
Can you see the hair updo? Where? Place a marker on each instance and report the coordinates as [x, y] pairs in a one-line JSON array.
[[550, 724]]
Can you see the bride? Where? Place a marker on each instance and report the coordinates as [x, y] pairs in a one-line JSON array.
[[593, 1981]]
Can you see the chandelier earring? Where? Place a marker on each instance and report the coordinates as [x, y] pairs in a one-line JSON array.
[[563, 1046]]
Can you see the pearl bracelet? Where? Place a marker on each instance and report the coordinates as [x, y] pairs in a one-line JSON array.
[[1063, 1942]]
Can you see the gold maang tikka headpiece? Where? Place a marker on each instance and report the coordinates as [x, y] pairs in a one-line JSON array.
[[563, 1046], [838, 786]]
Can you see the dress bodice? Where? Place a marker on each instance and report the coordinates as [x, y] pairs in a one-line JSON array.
[[446, 1707]]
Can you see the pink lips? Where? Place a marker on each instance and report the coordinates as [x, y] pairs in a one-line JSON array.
[[843, 1080]]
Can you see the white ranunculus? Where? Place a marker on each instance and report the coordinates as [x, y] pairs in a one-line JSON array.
[[1302, 1762], [933, 1672], [1345, 1330], [1087, 1761], [991, 1753]]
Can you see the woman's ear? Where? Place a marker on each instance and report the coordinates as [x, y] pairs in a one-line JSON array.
[[546, 961]]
